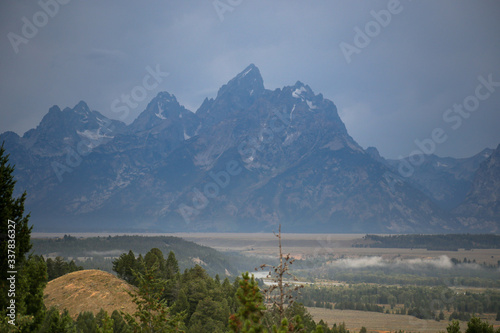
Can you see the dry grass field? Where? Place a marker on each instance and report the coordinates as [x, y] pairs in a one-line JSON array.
[[379, 322], [89, 290]]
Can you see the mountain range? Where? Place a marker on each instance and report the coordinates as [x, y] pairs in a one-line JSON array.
[[246, 160]]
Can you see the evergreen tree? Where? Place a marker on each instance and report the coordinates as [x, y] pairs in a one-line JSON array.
[[86, 322], [172, 266], [475, 325], [53, 322], [125, 266], [152, 313], [119, 324], [104, 322], [34, 279], [181, 304], [154, 258], [248, 319], [15, 243], [453, 327], [210, 316]]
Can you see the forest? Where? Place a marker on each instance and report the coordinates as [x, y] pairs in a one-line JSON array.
[[449, 242]]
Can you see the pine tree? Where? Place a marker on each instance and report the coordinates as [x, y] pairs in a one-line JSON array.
[[249, 316], [125, 266], [475, 325], [181, 304], [86, 322], [119, 324], [172, 266], [34, 279], [30, 274], [104, 322], [152, 313], [453, 327], [54, 322]]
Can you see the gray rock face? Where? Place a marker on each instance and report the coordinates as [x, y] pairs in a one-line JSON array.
[[481, 209], [245, 161]]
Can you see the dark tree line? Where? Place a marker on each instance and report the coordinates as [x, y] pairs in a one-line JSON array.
[[421, 302], [58, 267], [449, 242]]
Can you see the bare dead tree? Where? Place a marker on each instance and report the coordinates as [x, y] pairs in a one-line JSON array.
[[281, 291]]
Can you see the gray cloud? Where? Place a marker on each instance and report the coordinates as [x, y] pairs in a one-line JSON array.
[[395, 90]]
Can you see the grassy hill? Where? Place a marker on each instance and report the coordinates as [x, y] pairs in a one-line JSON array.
[[89, 290]]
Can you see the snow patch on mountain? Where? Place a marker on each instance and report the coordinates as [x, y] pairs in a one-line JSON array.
[[94, 135], [160, 113], [297, 93], [311, 105]]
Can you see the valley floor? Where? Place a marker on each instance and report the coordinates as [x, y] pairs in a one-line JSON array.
[[381, 322]]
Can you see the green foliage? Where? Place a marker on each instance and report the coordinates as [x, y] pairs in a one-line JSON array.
[[55, 322], [86, 322], [249, 315], [58, 267], [33, 278], [181, 304], [453, 327], [485, 278], [119, 324], [105, 323], [152, 313], [252, 313], [125, 266], [418, 301], [11, 209], [475, 325], [210, 316], [171, 266], [15, 243]]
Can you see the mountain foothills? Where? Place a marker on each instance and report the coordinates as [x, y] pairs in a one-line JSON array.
[[245, 161]]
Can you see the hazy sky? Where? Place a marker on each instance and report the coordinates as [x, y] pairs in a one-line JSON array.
[[407, 62]]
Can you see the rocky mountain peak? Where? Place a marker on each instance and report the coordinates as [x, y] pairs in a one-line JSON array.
[[302, 91], [81, 108], [249, 82], [164, 108], [247, 160]]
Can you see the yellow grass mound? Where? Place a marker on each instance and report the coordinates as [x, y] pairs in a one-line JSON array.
[[89, 290]]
